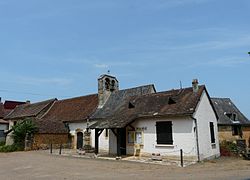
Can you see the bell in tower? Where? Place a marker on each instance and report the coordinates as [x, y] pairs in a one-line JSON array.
[[106, 86]]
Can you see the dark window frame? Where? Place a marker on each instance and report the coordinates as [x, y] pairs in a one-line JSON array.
[[164, 132], [212, 133]]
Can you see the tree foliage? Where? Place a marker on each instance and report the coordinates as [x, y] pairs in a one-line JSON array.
[[27, 126]]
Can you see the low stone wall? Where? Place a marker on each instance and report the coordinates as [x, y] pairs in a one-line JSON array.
[[43, 141]]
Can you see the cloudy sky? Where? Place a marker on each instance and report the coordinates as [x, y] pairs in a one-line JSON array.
[[59, 48]]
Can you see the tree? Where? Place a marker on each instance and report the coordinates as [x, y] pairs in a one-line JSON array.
[[27, 126]]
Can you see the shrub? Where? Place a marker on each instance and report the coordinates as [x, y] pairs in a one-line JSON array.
[[10, 148], [228, 148], [2, 143], [20, 130]]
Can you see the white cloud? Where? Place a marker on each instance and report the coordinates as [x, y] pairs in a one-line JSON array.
[[101, 65]]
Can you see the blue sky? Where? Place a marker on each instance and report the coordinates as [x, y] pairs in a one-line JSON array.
[[59, 48]]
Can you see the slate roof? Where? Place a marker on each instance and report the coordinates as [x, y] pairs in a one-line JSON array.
[[28, 110], [180, 102], [225, 105], [116, 99]]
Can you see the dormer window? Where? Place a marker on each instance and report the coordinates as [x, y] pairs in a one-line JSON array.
[[234, 117], [231, 116], [131, 105], [171, 101]]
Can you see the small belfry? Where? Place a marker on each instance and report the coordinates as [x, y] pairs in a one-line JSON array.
[[107, 84]]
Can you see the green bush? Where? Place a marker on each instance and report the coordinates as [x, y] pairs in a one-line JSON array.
[[10, 148], [20, 130], [2, 143]]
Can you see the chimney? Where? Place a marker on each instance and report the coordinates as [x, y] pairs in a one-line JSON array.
[[195, 85]]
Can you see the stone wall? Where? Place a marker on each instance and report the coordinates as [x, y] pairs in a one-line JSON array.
[[225, 133], [43, 141]]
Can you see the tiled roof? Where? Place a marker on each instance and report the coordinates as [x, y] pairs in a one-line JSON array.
[[1, 110], [178, 102], [29, 110], [74, 109], [224, 107], [12, 104], [116, 99], [68, 110]]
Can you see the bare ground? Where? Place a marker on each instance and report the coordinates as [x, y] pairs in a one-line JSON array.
[[38, 165]]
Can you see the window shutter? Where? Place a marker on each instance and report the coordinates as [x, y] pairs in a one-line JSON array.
[[212, 132], [164, 132]]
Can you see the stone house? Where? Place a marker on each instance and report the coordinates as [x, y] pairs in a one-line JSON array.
[[232, 123], [48, 131], [74, 113], [165, 122]]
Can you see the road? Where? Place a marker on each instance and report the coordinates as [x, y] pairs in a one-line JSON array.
[[38, 165]]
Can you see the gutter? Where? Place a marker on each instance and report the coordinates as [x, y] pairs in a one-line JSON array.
[[197, 139]]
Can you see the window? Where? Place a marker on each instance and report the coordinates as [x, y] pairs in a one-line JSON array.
[[138, 137], [2, 133], [211, 124], [234, 117], [131, 137], [236, 130], [164, 132]]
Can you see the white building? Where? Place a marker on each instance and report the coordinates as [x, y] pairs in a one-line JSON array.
[[163, 123]]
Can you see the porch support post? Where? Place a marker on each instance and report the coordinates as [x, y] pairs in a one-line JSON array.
[[96, 141], [118, 137]]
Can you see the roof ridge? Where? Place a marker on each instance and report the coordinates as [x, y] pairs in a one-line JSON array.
[[77, 97], [136, 87]]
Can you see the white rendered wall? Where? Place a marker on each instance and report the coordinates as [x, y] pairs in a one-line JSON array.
[[9, 139], [205, 114], [81, 127], [183, 138]]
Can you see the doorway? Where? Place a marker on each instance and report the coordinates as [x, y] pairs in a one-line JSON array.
[[79, 143]]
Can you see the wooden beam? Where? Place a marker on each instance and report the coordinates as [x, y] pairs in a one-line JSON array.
[[113, 130], [133, 128], [96, 141], [118, 137], [100, 132]]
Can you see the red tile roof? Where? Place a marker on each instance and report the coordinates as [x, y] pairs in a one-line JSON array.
[[12, 104], [74, 109], [68, 110]]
